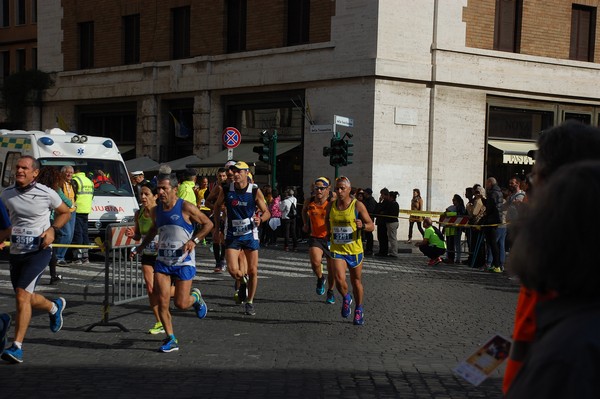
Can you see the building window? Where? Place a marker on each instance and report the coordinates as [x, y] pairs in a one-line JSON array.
[[34, 63], [181, 32], [298, 22], [33, 11], [86, 45], [131, 39], [4, 13], [236, 25], [518, 123], [583, 31], [4, 64], [507, 26], [21, 60], [20, 12]]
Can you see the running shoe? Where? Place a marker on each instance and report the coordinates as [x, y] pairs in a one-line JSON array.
[[330, 297], [346, 306], [250, 309], [5, 318], [438, 260], [236, 298], [199, 306], [496, 269], [359, 318], [157, 329], [56, 319], [321, 285], [13, 354], [243, 290], [170, 344]]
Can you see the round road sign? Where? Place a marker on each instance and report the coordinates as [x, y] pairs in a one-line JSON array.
[[231, 137]]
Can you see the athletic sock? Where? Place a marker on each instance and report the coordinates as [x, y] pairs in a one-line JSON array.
[[54, 308], [18, 344]]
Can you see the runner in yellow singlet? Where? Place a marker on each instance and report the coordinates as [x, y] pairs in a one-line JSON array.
[[347, 219]]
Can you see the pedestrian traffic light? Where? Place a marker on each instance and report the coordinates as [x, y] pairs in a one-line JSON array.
[[347, 152], [264, 151]]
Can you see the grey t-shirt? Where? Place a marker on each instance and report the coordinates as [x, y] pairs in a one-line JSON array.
[[29, 213]]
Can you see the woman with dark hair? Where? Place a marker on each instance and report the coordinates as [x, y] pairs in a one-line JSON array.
[[143, 223], [51, 177], [416, 204], [563, 361]]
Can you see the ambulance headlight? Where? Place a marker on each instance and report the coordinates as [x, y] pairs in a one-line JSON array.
[[46, 141]]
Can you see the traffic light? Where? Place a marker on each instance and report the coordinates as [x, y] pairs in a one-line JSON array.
[[264, 151], [347, 152], [336, 156]]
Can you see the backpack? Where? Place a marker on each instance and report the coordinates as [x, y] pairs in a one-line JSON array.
[[292, 212]]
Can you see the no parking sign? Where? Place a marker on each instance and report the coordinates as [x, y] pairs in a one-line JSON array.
[[231, 137]]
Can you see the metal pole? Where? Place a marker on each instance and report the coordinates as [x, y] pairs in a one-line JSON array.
[[274, 160]]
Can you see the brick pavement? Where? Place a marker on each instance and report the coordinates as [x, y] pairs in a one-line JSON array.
[[419, 322]]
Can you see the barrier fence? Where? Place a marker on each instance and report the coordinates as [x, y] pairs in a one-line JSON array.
[[123, 277]]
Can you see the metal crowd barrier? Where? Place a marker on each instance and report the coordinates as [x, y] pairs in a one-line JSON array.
[[123, 277]]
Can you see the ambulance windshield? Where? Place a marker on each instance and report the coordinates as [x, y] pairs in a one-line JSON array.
[[109, 176]]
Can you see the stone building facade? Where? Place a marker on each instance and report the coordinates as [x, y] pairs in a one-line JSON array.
[[442, 93]]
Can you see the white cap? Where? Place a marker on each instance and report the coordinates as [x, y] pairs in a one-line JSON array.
[[137, 173]]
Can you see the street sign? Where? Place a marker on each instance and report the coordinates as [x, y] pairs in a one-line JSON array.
[[343, 121], [231, 137], [321, 128], [229, 154]]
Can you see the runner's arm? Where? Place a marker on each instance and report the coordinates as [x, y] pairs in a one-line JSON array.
[[62, 214]]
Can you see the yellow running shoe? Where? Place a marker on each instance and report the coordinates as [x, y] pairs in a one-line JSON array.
[[157, 329]]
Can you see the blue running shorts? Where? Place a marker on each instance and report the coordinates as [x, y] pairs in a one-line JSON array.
[[351, 260], [248, 243], [183, 273], [26, 269]]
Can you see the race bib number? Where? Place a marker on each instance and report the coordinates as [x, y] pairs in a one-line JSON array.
[[342, 235], [25, 239], [241, 227], [170, 254]]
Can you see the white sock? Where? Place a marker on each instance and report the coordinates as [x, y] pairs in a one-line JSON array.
[[18, 344], [54, 308]]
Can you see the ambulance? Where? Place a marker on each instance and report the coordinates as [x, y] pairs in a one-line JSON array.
[[99, 157]]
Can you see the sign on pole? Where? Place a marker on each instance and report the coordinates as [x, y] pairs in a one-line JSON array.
[[231, 137], [321, 128], [343, 121], [229, 154]]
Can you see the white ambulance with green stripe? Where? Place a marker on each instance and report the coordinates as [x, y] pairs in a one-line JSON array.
[[98, 157]]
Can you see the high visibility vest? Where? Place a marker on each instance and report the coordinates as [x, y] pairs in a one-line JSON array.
[[85, 193]]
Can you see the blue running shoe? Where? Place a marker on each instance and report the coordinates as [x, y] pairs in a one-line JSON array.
[[346, 306], [56, 319], [170, 344], [250, 309], [5, 318], [321, 285], [243, 290], [13, 354], [359, 318], [330, 297], [199, 306]]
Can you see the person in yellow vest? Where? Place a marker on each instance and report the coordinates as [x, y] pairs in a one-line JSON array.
[[66, 232], [201, 194], [186, 187], [84, 194], [348, 218]]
